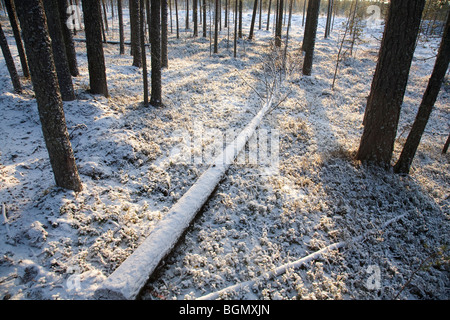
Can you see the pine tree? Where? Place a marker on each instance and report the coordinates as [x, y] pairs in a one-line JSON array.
[[389, 82], [155, 42], [121, 29], [59, 50], [309, 39], [68, 39], [426, 107], [252, 24], [48, 97], [164, 34], [11, 8], [10, 62], [94, 47], [135, 32]]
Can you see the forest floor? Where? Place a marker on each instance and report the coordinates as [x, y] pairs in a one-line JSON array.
[[57, 244]]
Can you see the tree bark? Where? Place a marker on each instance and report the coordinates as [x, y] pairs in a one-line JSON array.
[[68, 39], [252, 25], [164, 35], [447, 143], [279, 25], [389, 82], [121, 29], [144, 55], [195, 13], [309, 41], [135, 31], [11, 8], [155, 41], [216, 26], [403, 164], [45, 83], [59, 50], [94, 47], [10, 62]]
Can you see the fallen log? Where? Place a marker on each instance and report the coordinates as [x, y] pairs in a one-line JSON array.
[[128, 279]]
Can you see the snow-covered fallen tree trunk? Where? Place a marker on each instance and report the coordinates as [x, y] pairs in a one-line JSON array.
[[129, 278], [291, 265]]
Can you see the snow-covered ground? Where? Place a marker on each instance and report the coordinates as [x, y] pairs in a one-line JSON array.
[[58, 244]]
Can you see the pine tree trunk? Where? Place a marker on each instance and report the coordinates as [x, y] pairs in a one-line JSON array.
[[329, 16], [144, 55], [155, 41], [447, 143], [10, 62], [309, 41], [94, 47], [279, 25], [240, 19], [389, 83], [268, 15], [195, 13], [176, 17], [68, 39], [10, 7], [252, 25], [205, 34], [164, 35], [426, 107], [59, 50], [235, 27], [216, 26], [45, 83], [135, 31], [121, 29]]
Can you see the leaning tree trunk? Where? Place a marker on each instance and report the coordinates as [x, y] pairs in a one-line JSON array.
[[10, 7], [94, 47], [155, 42], [59, 50], [45, 83], [309, 41], [426, 107], [10, 62], [389, 82], [252, 24]]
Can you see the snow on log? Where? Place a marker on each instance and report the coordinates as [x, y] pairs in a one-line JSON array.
[[129, 278]]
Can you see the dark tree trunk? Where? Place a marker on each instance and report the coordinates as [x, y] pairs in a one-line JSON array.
[[204, 19], [195, 13], [121, 29], [11, 8], [389, 82], [59, 50], [68, 39], [268, 15], [309, 41], [426, 107], [176, 18], [187, 14], [447, 143], [45, 82], [240, 19], [279, 25], [216, 26], [329, 16], [94, 47], [252, 25], [164, 35], [155, 41], [10, 62], [235, 27], [135, 31], [144, 55]]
